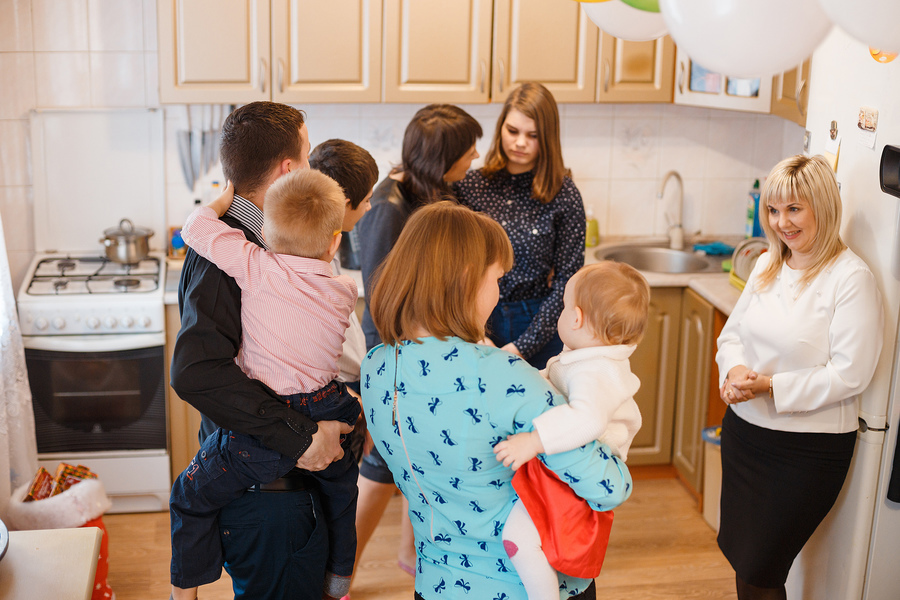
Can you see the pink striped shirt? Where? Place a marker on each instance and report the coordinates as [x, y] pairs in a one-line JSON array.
[[294, 311]]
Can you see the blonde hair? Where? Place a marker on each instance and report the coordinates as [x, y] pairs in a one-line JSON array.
[[615, 300], [810, 179], [430, 279], [301, 213], [535, 102]]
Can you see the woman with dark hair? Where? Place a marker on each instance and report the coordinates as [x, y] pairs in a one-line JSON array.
[[525, 187], [438, 148]]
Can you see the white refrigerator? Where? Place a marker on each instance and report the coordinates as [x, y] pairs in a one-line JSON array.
[[855, 553]]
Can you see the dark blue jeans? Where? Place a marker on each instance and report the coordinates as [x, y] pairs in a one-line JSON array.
[[229, 463], [509, 320]]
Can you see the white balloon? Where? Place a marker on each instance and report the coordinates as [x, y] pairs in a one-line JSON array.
[[746, 38], [625, 22], [873, 22]]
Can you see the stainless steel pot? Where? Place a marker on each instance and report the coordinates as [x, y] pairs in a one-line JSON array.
[[126, 243]]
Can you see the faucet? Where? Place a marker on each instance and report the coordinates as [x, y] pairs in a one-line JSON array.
[[676, 233]]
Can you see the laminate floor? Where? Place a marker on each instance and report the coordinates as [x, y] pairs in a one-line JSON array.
[[660, 549]]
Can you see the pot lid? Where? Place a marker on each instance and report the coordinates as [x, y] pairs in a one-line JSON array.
[[127, 229]]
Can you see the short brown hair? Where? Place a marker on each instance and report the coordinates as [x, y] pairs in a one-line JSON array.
[[255, 138], [615, 300], [537, 103], [430, 279], [437, 136], [301, 213], [351, 166]]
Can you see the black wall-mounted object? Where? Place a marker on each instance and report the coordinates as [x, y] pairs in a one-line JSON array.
[[889, 175]]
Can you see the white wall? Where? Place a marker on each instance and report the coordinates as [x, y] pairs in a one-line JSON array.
[[102, 53]]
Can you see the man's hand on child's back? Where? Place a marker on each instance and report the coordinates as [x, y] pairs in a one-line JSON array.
[[326, 446], [221, 204], [518, 449]]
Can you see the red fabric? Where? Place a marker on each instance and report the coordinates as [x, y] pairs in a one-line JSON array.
[[574, 537], [102, 591]]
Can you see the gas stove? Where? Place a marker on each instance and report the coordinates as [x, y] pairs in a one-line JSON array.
[[67, 294]]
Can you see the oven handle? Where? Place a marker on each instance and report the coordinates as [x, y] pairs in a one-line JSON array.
[[94, 343]]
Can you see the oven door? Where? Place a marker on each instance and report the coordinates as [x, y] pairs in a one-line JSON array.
[[97, 393]]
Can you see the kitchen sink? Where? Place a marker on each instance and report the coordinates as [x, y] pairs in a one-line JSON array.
[[659, 259]]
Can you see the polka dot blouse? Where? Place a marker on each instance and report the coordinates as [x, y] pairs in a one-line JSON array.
[[546, 239]]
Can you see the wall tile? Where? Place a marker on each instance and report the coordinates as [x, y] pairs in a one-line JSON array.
[[117, 79], [15, 147], [150, 21], [587, 110], [635, 151], [15, 26], [595, 195], [792, 139], [19, 260], [60, 25], [725, 206], [17, 206], [116, 25], [768, 144], [632, 208], [587, 146], [17, 95], [682, 145], [326, 129], [730, 147], [62, 79], [637, 111], [151, 78]]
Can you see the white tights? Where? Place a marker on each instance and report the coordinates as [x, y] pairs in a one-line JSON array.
[[523, 545]]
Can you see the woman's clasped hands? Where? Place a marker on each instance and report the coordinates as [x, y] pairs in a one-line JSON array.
[[742, 384]]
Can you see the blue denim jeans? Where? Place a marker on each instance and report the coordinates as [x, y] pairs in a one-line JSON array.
[[509, 320], [229, 463]]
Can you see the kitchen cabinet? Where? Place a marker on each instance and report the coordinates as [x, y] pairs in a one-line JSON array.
[[636, 71], [692, 399], [655, 362], [291, 51], [790, 94], [184, 419], [437, 52], [695, 86]]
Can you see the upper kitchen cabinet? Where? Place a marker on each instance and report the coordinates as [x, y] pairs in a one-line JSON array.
[[790, 94], [636, 71], [437, 51], [548, 41], [695, 86], [237, 51]]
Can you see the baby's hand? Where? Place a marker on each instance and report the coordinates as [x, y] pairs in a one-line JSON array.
[[221, 204], [518, 449]]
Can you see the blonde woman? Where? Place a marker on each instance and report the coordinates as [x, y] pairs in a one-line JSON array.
[[525, 187], [801, 344]]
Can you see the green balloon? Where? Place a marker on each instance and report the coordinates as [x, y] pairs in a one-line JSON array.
[[648, 5]]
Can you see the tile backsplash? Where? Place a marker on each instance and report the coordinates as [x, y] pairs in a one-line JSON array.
[[103, 54]]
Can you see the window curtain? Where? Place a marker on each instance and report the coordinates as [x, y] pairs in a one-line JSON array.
[[18, 446]]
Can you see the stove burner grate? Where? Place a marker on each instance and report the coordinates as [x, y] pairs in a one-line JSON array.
[[127, 283]]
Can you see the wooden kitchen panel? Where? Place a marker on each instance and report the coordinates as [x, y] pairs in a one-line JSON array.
[[547, 41], [437, 51], [636, 71]]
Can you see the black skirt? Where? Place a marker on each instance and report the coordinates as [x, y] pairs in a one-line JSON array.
[[777, 486]]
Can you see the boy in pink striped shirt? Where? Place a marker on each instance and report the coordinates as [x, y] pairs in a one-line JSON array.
[[294, 312]]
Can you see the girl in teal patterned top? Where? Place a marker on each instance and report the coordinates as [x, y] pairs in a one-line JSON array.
[[437, 403]]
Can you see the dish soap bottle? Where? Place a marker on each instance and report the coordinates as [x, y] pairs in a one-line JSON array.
[[592, 231], [753, 228]]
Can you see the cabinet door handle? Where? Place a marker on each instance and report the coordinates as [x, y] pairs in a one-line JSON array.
[[502, 75], [606, 73], [263, 74], [280, 75], [799, 96], [681, 78], [483, 74]]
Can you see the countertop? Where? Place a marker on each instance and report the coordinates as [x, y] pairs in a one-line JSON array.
[[57, 564], [713, 287]]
